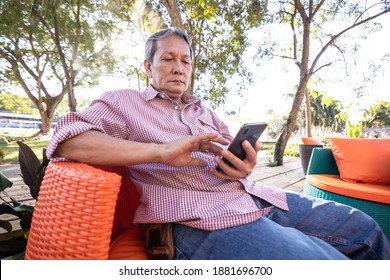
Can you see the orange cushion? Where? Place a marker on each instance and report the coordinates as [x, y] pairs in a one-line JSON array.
[[334, 184], [362, 160], [130, 245], [309, 140]]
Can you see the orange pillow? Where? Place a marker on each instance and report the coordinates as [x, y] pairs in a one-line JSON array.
[[362, 160], [312, 141]]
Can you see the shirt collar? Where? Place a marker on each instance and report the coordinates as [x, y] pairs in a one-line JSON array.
[[150, 93]]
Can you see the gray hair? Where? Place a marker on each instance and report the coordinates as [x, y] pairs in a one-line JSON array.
[[151, 43]]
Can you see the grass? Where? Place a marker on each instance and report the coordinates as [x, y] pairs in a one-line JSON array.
[[11, 149], [291, 149]]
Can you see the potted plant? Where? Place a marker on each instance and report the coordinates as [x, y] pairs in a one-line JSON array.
[[32, 171], [306, 149]]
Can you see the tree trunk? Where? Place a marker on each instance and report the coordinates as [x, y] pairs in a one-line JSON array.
[[72, 73], [51, 102], [46, 123], [308, 114], [303, 63], [72, 103], [174, 13], [177, 21], [281, 143], [47, 112]]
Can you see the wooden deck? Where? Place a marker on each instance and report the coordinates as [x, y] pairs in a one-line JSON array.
[[289, 176]]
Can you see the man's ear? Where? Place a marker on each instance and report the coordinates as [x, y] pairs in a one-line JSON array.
[[148, 68]]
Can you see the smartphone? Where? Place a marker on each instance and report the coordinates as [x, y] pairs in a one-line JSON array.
[[248, 131]]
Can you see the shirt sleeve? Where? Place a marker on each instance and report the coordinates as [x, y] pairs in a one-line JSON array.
[[103, 115]]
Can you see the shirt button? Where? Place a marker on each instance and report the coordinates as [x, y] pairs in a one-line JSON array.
[[176, 108]]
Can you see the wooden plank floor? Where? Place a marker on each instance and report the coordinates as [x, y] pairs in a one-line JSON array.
[[288, 176]]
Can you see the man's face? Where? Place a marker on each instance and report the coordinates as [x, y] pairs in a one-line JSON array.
[[171, 67]]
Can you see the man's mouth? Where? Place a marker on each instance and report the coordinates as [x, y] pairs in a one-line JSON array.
[[177, 81]]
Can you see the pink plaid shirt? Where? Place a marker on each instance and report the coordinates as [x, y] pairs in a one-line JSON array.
[[189, 195]]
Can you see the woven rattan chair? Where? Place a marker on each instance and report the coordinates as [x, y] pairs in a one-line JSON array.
[[85, 212], [323, 181]]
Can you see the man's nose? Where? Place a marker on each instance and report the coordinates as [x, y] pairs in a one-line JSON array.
[[177, 67]]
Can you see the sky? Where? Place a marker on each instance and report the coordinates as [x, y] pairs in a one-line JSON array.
[[273, 80]]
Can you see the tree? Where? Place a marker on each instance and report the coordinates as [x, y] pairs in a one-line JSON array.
[[219, 38], [138, 19], [61, 45], [311, 40], [326, 113], [378, 115], [17, 104]]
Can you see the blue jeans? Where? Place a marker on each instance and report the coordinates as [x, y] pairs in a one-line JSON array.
[[311, 229]]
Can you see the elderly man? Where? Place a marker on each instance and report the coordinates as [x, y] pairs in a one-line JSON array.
[[172, 144]]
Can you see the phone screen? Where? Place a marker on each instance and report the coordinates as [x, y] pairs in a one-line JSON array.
[[248, 131]]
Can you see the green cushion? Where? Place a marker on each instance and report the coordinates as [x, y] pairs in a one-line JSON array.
[[322, 161]]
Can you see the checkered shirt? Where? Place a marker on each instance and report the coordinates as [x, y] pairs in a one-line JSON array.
[[189, 195]]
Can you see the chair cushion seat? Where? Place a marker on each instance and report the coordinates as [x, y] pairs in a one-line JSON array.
[[334, 184], [130, 245]]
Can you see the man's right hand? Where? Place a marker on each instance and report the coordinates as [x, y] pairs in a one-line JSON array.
[[179, 153]]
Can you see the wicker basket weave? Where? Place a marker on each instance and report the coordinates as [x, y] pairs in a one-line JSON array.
[[76, 209]]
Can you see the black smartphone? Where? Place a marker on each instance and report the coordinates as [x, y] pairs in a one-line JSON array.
[[248, 131]]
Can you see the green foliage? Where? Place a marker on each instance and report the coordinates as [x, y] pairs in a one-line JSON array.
[[2, 153], [32, 172], [272, 163], [31, 168], [63, 108], [326, 112], [17, 104], [267, 146], [219, 31], [50, 48], [378, 115], [291, 150], [314, 35], [4, 182], [354, 131]]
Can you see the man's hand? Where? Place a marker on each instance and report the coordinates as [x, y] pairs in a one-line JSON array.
[[241, 167], [179, 152]]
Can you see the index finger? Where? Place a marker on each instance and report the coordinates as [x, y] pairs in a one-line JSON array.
[[215, 137]]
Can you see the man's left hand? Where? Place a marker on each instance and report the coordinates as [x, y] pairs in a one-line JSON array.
[[241, 167]]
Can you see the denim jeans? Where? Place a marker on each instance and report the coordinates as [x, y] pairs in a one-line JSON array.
[[311, 229]]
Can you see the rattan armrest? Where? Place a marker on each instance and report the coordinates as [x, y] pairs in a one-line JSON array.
[[74, 213]]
